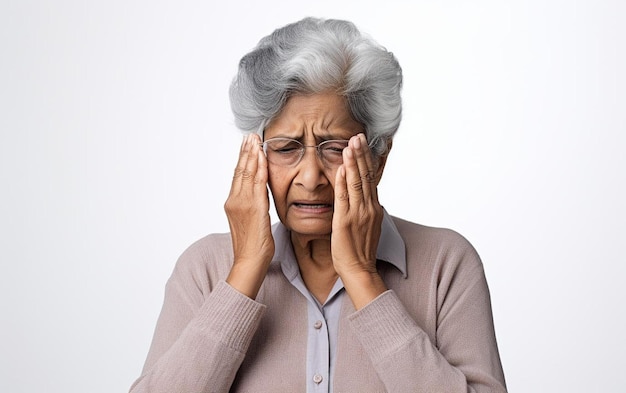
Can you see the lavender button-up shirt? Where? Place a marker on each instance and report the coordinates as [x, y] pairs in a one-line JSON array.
[[323, 319]]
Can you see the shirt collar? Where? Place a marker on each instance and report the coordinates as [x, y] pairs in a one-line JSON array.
[[391, 248]]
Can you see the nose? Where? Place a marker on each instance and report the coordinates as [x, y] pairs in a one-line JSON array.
[[311, 171]]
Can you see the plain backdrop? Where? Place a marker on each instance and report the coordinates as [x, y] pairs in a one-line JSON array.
[[117, 147]]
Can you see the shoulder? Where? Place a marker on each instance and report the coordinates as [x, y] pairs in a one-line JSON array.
[[415, 234], [215, 245], [440, 249], [205, 262]]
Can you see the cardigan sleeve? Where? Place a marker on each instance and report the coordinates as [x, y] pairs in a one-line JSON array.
[[464, 357], [200, 339]]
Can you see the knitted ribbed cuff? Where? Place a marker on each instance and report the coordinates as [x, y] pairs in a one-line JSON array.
[[230, 317], [383, 326]]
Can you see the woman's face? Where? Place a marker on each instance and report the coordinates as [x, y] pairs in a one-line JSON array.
[[303, 193]]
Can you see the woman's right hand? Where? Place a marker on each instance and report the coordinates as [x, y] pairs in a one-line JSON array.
[[247, 209]]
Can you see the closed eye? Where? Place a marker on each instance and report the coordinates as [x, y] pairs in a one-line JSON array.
[[286, 150], [284, 146], [334, 147]]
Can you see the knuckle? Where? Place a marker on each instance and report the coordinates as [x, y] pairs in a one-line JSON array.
[[258, 180], [368, 177], [356, 185], [246, 174], [229, 206], [343, 196], [238, 171]]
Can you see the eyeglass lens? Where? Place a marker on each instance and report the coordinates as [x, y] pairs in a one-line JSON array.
[[288, 152]]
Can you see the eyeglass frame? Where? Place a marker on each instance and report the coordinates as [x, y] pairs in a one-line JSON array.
[[302, 150]]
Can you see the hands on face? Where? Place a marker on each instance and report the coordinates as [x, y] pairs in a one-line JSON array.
[[357, 221], [247, 209], [356, 225]]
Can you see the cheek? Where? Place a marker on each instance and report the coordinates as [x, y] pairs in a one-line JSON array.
[[279, 183], [331, 178]]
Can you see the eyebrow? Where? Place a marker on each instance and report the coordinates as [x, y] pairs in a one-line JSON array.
[[328, 136]]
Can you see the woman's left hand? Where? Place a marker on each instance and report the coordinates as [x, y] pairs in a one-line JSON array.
[[357, 222]]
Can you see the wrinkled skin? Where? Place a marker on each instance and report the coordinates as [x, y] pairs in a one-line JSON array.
[[333, 214]]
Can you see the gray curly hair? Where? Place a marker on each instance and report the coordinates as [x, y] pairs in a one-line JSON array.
[[314, 56]]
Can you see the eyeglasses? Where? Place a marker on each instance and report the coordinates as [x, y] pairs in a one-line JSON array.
[[288, 152]]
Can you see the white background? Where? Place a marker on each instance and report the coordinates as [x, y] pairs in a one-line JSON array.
[[117, 146]]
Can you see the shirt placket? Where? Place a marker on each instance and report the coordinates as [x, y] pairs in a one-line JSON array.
[[318, 350]]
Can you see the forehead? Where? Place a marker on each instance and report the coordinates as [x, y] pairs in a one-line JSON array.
[[318, 114]]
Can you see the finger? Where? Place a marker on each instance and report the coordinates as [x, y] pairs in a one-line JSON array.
[[242, 168], [248, 176], [365, 164], [353, 178], [341, 203], [373, 163], [262, 172], [241, 165]]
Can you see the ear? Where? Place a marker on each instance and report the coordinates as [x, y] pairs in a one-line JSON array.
[[381, 161]]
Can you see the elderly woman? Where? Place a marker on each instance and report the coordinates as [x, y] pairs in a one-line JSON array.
[[339, 295]]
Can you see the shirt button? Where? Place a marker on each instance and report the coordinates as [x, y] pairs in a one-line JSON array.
[[317, 378], [317, 325]]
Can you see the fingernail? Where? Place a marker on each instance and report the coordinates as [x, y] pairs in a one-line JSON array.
[[357, 142]]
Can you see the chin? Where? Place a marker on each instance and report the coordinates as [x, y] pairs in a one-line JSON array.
[[310, 228]]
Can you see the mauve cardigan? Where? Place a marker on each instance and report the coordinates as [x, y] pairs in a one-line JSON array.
[[430, 332]]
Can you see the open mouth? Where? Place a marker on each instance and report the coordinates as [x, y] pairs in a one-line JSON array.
[[312, 206]]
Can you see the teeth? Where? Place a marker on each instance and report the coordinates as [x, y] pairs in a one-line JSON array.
[[311, 206]]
